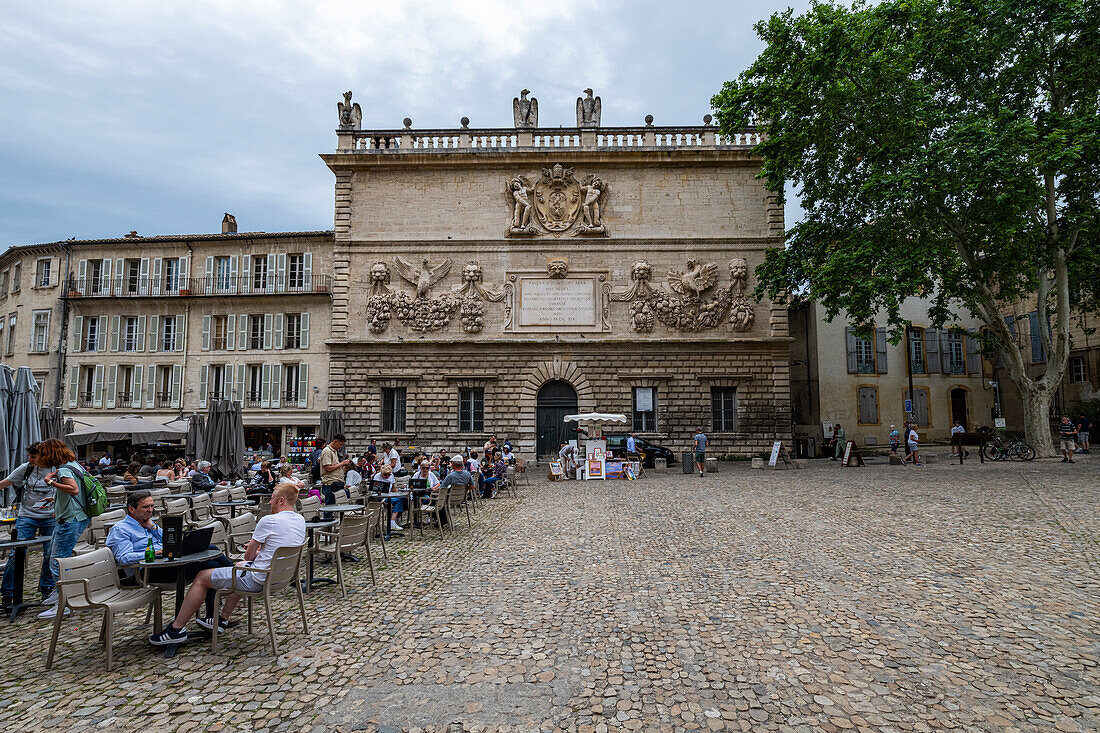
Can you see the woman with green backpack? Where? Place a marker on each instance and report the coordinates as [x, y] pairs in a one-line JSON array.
[[72, 519]]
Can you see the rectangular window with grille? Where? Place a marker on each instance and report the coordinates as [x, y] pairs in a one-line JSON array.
[[11, 333], [218, 389], [130, 339], [956, 353], [644, 409], [256, 332], [723, 409], [393, 409], [916, 350], [290, 380], [295, 271], [255, 385], [168, 334], [293, 337], [172, 275], [219, 334], [42, 273], [259, 274], [471, 409]]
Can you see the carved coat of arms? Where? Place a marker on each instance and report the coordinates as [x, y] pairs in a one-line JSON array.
[[557, 198], [559, 203]]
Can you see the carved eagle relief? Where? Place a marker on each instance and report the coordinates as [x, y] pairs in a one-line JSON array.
[[424, 278], [695, 280]]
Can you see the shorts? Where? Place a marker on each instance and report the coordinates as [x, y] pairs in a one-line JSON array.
[[1083, 436], [912, 447], [221, 578], [700, 456], [1069, 445]]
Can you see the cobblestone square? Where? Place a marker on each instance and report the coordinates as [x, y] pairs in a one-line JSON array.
[[881, 598]]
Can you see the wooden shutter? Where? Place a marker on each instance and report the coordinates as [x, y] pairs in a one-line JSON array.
[[303, 329], [246, 274], [850, 342], [137, 381], [307, 271], [101, 334], [206, 333], [880, 351], [931, 351], [181, 331], [230, 332], [268, 328], [973, 356], [177, 384], [277, 336], [112, 380], [204, 377], [97, 386], [303, 384], [74, 384], [151, 385], [280, 271], [945, 351], [185, 273], [276, 384], [233, 390], [141, 326], [158, 270], [242, 333], [234, 281], [208, 280], [868, 405], [265, 386], [116, 325], [143, 277], [81, 285], [109, 284], [155, 336], [239, 385], [78, 334], [270, 280]]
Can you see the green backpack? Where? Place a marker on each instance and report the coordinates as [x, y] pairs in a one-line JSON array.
[[93, 495]]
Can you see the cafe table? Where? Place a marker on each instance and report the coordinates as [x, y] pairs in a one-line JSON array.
[[233, 505], [180, 565], [19, 549], [310, 581]]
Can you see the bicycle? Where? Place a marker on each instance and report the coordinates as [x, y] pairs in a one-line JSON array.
[[996, 448]]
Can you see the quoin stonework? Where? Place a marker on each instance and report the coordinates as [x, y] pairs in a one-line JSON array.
[[491, 281]]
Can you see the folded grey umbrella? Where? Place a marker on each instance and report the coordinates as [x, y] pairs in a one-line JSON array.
[[23, 416]]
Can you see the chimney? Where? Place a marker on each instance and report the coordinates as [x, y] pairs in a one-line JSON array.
[[229, 224]]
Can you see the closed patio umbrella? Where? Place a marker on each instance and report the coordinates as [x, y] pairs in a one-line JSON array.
[[133, 428], [223, 444], [196, 433], [23, 416], [52, 422], [7, 386], [332, 423]]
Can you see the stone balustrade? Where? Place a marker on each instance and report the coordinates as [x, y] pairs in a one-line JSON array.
[[498, 139]]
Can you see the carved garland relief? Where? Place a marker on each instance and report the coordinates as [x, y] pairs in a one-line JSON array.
[[684, 307]]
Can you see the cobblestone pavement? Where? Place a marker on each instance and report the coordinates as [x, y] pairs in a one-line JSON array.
[[881, 598]]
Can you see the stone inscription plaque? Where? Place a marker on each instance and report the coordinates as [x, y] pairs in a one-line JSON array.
[[557, 303]]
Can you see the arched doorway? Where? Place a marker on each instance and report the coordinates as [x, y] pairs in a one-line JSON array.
[[555, 400], [959, 408]]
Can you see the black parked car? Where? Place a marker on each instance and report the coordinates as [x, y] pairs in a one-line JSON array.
[[617, 444]]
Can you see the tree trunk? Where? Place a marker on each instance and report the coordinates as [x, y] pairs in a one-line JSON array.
[[1036, 400]]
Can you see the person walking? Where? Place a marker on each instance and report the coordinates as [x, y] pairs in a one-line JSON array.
[[1068, 435], [35, 518], [65, 477], [700, 448], [839, 442], [895, 440], [912, 443], [1083, 425]]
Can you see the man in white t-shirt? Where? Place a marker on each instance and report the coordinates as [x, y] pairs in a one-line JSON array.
[[282, 528], [395, 462]]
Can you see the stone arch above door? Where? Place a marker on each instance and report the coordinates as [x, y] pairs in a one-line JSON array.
[[544, 372]]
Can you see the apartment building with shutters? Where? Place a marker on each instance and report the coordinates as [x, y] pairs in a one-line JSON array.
[[839, 375], [32, 313], [160, 326]]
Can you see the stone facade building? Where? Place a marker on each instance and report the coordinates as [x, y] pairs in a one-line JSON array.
[[492, 281], [158, 326], [863, 383]]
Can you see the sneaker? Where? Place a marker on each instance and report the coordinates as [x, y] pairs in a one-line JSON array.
[[51, 612], [395, 527], [51, 599], [1065, 460], [208, 623], [700, 474], [168, 637], [1069, 460]]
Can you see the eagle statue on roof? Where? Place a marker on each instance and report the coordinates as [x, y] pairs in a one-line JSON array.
[[525, 111]]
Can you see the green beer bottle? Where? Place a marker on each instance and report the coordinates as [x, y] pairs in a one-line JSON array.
[[150, 555]]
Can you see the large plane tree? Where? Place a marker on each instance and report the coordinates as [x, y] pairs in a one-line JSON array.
[[942, 148]]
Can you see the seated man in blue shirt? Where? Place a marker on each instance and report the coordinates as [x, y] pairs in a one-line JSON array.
[[128, 540]]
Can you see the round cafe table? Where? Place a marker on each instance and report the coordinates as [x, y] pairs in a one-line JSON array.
[[180, 564]]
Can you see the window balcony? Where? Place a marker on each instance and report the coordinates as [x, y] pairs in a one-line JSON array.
[[84, 399], [215, 285], [163, 399], [124, 399]]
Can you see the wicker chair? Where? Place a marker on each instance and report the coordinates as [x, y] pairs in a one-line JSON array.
[[90, 582], [285, 568]]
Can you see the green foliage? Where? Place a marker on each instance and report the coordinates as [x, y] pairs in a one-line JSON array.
[[1090, 408], [942, 148]]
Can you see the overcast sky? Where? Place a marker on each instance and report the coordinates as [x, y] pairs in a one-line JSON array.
[[158, 117]]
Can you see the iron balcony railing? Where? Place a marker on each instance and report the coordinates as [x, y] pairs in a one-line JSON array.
[[215, 285]]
